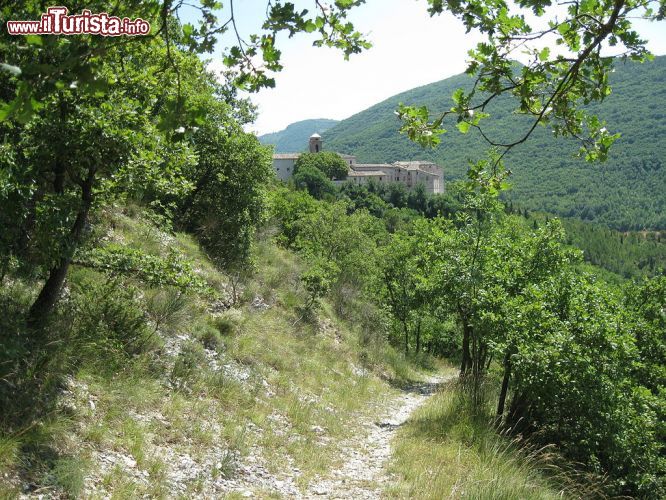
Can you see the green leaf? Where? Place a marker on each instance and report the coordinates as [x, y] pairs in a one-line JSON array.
[[544, 54], [34, 40], [310, 26], [6, 109], [188, 29], [564, 28], [463, 127]]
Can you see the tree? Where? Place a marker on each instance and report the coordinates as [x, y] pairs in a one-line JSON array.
[[418, 198], [403, 288], [328, 163], [397, 195], [361, 198], [94, 141], [476, 264], [80, 58], [288, 208], [646, 315], [314, 181], [230, 180], [574, 386]]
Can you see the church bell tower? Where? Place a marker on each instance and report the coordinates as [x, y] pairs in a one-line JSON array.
[[315, 143]]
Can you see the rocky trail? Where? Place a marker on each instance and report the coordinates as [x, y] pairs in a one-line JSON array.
[[363, 473]]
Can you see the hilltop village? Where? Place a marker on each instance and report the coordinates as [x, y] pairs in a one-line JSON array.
[[409, 173]]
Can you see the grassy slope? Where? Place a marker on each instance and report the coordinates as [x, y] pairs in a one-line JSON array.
[[216, 390], [286, 393], [627, 192]]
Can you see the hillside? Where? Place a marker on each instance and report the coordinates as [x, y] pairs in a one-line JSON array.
[[625, 193], [295, 137], [233, 397]]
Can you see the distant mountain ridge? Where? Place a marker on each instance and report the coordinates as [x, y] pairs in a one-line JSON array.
[[295, 137], [628, 192]]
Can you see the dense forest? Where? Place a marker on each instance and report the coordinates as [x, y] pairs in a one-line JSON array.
[[175, 322], [625, 193]]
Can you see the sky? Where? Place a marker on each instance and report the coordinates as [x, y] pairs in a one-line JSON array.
[[410, 49]]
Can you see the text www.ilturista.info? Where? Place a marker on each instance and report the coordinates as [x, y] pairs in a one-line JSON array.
[[56, 22]]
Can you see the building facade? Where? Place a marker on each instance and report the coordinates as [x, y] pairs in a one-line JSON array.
[[408, 173]]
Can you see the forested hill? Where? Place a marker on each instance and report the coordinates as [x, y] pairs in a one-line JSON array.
[[295, 137], [628, 192]]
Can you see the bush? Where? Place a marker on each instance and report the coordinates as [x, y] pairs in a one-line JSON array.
[[209, 336], [228, 323], [109, 323], [167, 308], [189, 365]]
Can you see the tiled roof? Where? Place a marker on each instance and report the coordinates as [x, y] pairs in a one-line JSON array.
[[414, 166], [366, 173], [365, 166], [294, 156], [286, 156]]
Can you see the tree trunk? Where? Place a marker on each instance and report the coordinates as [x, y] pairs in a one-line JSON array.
[[518, 418], [466, 362], [505, 386], [418, 337], [466, 357], [406, 330], [48, 296]]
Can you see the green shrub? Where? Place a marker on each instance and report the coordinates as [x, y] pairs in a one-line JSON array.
[[228, 323], [109, 323], [167, 308], [209, 336], [31, 366], [68, 473], [189, 366]]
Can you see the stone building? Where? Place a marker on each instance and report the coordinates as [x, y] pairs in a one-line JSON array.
[[409, 173]]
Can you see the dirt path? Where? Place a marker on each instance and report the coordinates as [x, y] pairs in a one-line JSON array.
[[363, 474]]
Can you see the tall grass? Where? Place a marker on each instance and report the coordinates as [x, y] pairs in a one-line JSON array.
[[451, 449]]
